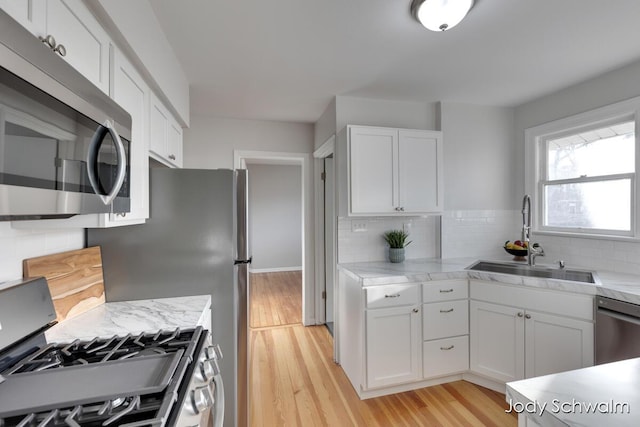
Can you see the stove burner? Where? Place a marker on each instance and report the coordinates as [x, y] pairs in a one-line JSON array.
[[145, 409]]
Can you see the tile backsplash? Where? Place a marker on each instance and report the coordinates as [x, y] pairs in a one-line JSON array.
[[19, 244], [478, 233], [360, 239]]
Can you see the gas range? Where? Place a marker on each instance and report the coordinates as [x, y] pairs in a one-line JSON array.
[[160, 378]]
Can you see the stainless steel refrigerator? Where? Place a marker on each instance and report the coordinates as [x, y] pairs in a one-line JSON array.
[[194, 243]]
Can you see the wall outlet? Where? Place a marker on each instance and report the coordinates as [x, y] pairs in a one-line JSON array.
[[358, 226], [406, 227]]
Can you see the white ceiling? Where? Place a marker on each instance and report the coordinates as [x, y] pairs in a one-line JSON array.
[[286, 59]]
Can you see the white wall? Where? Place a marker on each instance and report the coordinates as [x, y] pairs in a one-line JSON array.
[[17, 245], [325, 127], [615, 86], [210, 141], [478, 156], [275, 215], [377, 112]]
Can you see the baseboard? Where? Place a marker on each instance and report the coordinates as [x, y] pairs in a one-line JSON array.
[[494, 385], [274, 270]]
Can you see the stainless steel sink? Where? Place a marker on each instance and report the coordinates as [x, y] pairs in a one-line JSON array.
[[537, 271]]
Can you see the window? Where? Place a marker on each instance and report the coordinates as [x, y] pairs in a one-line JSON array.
[[584, 172]]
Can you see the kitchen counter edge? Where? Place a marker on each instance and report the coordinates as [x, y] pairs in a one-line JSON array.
[[620, 286]]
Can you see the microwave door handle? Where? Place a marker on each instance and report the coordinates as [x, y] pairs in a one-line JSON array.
[[92, 160]]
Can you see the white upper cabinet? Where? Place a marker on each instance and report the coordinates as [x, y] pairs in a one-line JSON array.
[[31, 14], [394, 171], [132, 93], [166, 135], [73, 32]]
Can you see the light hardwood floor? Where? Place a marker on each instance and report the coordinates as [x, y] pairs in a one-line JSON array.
[[276, 298], [294, 382]]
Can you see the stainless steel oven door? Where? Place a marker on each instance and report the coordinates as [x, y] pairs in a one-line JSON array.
[[617, 330]]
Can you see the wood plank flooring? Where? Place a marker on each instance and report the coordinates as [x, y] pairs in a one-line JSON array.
[[294, 381], [276, 298]]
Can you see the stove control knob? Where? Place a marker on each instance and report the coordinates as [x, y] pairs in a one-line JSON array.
[[213, 352], [208, 369], [201, 399]]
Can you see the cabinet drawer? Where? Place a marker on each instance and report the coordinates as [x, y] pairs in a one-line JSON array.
[[392, 295], [445, 319], [445, 357], [445, 290]]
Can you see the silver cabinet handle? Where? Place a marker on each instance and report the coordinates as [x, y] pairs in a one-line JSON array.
[[527, 316], [446, 311], [520, 314], [172, 157], [92, 160], [60, 50], [392, 296], [445, 291], [49, 41], [415, 310], [447, 348]]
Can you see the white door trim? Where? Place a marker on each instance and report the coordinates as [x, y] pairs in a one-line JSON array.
[[240, 159]]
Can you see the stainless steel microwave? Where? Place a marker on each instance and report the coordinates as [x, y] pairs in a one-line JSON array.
[[64, 144]]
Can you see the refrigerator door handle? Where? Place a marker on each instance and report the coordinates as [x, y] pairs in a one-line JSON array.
[[243, 261]]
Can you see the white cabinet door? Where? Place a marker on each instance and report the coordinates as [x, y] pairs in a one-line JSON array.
[[31, 14], [132, 93], [394, 346], [556, 344], [85, 41], [166, 135], [496, 341], [394, 171], [73, 26], [420, 171], [373, 176], [175, 143]]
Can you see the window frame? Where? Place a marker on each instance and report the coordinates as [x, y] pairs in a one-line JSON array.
[[536, 166]]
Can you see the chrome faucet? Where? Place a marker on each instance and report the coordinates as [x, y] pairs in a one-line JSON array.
[[534, 250]]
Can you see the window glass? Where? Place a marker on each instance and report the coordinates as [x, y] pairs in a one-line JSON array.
[[604, 205], [604, 151]]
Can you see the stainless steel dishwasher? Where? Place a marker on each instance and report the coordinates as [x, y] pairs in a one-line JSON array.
[[617, 330]]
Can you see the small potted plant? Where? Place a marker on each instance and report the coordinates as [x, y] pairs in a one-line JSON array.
[[397, 241]]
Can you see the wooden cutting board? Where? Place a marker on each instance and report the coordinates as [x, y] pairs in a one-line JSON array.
[[75, 279]]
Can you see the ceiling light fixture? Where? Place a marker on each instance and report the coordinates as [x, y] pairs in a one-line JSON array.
[[440, 15]]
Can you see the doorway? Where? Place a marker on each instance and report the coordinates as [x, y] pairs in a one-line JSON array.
[[241, 161], [275, 239]]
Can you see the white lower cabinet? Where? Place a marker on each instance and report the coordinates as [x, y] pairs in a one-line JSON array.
[[445, 357], [393, 346], [529, 332], [497, 341], [445, 328]]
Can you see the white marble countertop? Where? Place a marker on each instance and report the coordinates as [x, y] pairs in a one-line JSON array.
[[625, 287], [602, 395], [121, 318]]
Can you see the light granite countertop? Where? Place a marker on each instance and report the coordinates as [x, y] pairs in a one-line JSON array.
[[602, 395], [121, 318], [621, 286]]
